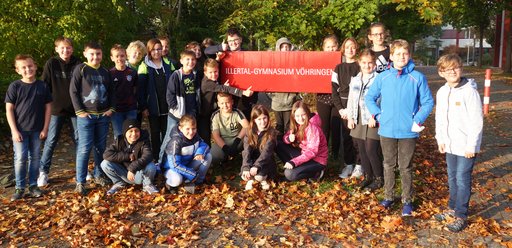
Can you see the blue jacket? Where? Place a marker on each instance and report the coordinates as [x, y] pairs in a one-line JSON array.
[[146, 88], [184, 150], [405, 98]]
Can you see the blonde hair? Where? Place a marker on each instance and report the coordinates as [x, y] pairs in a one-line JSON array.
[[399, 44], [211, 63], [451, 60], [136, 45], [187, 119]]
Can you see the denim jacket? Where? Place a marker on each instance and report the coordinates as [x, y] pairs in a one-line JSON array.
[[358, 90]]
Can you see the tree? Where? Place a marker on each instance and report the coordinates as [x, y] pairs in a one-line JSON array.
[[304, 22], [31, 26]]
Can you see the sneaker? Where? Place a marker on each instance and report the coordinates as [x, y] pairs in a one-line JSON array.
[[18, 194], [457, 225], [365, 183], [357, 172], [115, 188], [150, 189], [407, 209], [444, 215], [190, 187], [42, 180], [35, 191], [248, 185], [377, 183], [170, 189], [101, 181], [265, 185], [386, 203], [345, 173], [317, 177], [89, 177], [80, 189]]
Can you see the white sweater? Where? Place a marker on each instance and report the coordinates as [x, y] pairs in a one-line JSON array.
[[459, 120]]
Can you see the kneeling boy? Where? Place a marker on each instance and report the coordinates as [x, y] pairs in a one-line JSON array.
[[129, 160], [188, 156]]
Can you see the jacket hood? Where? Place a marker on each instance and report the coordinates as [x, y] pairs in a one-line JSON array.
[[150, 63], [465, 82], [281, 41], [408, 68], [315, 120]]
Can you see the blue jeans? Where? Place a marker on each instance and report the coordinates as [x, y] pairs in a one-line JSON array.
[[27, 151], [92, 131], [459, 183], [174, 179], [56, 123], [118, 118], [118, 173], [171, 122]]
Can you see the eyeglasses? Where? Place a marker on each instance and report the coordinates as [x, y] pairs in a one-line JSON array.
[[234, 40], [378, 34], [452, 70]]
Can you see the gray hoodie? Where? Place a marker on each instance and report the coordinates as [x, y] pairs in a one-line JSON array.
[[282, 101]]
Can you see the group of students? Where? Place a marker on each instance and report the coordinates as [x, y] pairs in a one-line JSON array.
[[378, 99]]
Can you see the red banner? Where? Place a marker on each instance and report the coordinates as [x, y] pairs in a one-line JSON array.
[[280, 71]]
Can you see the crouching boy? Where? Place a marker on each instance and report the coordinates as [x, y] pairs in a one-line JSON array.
[[129, 159], [188, 156]]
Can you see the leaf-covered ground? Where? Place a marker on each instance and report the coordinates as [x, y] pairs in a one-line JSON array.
[[327, 213]]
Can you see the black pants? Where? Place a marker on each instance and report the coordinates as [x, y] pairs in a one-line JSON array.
[[331, 125], [371, 158], [310, 169], [204, 129], [157, 127], [349, 151], [282, 121]]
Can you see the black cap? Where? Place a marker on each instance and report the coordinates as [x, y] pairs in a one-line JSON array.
[[129, 124]]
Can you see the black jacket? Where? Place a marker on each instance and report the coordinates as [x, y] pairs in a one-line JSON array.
[[57, 75], [119, 152]]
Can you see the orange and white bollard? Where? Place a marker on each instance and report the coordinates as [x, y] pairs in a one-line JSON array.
[[487, 91]]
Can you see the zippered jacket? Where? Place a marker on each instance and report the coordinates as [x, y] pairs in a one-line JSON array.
[[459, 120], [184, 150], [405, 98], [146, 87]]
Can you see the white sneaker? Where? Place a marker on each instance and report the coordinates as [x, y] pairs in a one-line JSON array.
[[248, 186], [345, 173], [42, 180], [89, 177], [358, 171], [264, 185]]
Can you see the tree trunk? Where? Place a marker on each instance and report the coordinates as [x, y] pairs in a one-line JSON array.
[[508, 52]]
